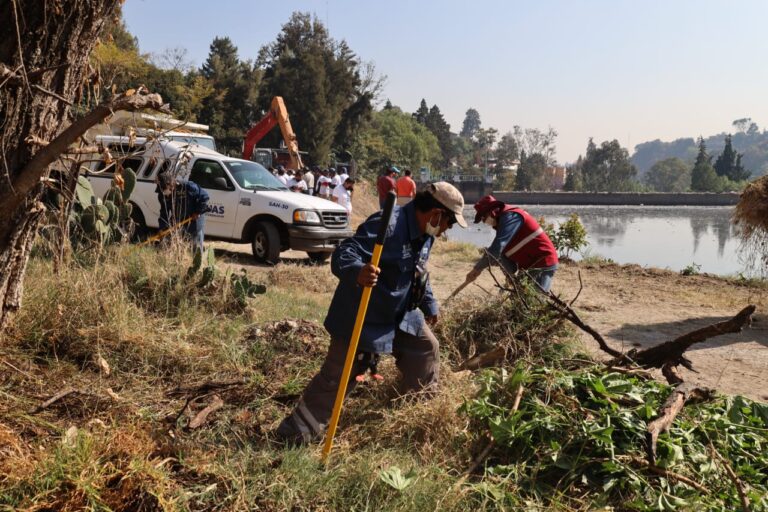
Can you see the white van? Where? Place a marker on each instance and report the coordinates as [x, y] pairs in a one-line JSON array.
[[247, 203]]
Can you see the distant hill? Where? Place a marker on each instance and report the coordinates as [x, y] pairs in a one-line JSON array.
[[753, 144]]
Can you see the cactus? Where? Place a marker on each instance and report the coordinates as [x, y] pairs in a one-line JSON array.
[[129, 177], [125, 212], [114, 195], [114, 214], [84, 192]]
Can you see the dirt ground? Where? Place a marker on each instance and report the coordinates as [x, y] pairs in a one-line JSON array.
[[632, 306]]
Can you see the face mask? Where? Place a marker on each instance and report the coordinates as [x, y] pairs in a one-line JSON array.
[[490, 221], [433, 230]]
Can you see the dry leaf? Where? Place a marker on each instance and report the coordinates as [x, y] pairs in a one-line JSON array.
[[103, 365]]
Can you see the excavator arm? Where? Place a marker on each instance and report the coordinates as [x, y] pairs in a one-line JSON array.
[[277, 114]]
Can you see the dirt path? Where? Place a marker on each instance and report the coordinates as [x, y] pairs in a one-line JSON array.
[[631, 306]]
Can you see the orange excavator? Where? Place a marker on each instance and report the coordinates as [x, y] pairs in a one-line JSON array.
[[277, 114]]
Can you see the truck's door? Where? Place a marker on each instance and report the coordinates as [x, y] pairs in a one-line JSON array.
[[222, 206]]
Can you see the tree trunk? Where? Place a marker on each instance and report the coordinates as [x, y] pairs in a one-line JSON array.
[[43, 64]]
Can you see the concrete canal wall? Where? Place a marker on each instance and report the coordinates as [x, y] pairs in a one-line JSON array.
[[618, 198]]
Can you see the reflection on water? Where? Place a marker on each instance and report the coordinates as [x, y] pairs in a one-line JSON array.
[[655, 236]]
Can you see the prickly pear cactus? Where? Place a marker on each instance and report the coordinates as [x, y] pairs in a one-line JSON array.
[[129, 183], [94, 220]]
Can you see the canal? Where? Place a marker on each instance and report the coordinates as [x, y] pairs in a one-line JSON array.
[[654, 236]]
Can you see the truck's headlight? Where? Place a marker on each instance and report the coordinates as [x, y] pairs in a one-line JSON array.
[[306, 217]]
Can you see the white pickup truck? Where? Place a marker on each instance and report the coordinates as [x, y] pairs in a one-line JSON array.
[[247, 203]]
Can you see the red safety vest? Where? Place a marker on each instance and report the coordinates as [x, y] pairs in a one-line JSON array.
[[530, 247]]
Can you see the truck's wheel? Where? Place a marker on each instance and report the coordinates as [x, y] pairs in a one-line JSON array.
[[318, 257], [266, 243]]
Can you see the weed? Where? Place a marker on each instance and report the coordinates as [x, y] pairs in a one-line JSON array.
[[693, 269]]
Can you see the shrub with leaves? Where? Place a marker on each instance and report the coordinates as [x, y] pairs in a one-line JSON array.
[[578, 438], [569, 237]]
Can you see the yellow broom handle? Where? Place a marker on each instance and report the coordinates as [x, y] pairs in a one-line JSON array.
[[165, 232], [361, 311]]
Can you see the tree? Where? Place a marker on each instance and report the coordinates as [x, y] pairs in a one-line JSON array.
[[437, 124], [394, 137], [607, 168], [421, 114], [507, 151], [232, 108], [573, 176], [471, 124], [531, 175], [728, 164], [319, 79], [533, 140], [35, 105], [703, 175], [670, 175]]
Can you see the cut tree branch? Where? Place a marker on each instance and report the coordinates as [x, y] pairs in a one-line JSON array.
[[671, 352], [28, 177], [668, 412]]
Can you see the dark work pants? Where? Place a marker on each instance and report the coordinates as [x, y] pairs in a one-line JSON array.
[[416, 358]]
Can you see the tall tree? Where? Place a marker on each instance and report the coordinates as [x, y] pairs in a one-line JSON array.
[[729, 165], [421, 114], [531, 174], [703, 175], [436, 123], [319, 79], [669, 175], [232, 108], [573, 177], [471, 124], [607, 168], [42, 68]]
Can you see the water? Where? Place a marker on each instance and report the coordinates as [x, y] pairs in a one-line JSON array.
[[654, 236]]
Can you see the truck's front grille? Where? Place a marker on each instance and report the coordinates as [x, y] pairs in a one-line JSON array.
[[335, 219]]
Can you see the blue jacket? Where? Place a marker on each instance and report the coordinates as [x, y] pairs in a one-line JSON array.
[[187, 199], [404, 248]]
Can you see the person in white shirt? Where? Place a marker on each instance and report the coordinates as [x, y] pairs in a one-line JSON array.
[[335, 180], [324, 185], [343, 175], [297, 184], [342, 194], [281, 175], [309, 179]]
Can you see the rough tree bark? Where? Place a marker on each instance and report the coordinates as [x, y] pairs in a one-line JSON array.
[[43, 63]]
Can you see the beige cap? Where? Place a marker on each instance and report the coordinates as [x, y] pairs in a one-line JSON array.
[[450, 197]]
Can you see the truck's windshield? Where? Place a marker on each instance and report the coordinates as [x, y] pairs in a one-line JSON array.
[[250, 175], [206, 142]]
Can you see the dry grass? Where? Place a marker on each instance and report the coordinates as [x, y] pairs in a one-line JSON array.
[[162, 334]]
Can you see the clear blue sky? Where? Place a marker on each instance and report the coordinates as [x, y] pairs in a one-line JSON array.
[[629, 70]]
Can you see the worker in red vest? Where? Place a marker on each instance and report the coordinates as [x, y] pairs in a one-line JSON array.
[[520, 242]]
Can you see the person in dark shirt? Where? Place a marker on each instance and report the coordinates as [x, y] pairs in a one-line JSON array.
[[400, 313], [179, 200]]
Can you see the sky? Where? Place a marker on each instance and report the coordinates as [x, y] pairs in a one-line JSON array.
[[628, 70]]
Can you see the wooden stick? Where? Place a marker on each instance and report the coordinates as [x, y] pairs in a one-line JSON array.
[[735, 479], [670, 474], [667, 414], [202, 417], [55, 398]]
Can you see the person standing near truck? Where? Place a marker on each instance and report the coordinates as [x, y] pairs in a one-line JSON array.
[[324, 185], [342, 194], [181, 200]]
